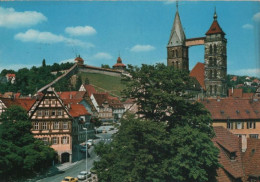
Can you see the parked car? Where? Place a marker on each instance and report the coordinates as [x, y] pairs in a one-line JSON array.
[[90, 142], [70, 179], [83, 175]]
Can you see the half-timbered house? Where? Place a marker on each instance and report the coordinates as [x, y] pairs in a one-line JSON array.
[[52, 123]]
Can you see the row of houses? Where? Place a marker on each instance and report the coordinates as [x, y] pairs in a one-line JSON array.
[[60, 118]]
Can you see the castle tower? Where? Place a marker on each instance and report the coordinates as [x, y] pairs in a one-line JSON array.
[[177, 52], [215, 60]]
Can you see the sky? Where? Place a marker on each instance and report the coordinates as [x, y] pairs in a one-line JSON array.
[[137, 31]]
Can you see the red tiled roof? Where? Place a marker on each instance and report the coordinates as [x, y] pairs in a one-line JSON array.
[[232, 108], [10, 75], [235, 92], [100, 98], [71, 101], [251, 157], [238, 93], [119, 65], [71, 94], [77, 110], [198, 73], [24, 103], [215, 28], [225, 141], [79, 59], [90, 89]]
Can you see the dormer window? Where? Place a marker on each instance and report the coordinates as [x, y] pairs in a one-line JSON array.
[[232, 155]]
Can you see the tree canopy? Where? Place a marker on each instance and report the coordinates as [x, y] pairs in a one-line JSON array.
[[172, 139], [145, 151], [164, 94], [21, 154]]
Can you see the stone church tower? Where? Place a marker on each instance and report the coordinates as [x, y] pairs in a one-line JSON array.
[[215, 60], [177, 52]]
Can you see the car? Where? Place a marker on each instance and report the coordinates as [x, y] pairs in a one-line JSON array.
[[110, 129], [90, 142], [104, 131], [83, 175], [70, 179]]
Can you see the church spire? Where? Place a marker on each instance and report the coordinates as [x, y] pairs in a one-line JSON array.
[[177, 36], [215, 15]]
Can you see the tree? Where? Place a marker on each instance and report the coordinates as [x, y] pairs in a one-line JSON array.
[[43, 63], [21, 154], [105, 66], [163, 94], [143, 150]]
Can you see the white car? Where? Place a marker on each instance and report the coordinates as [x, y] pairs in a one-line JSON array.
[[90, 142], [83, 175]]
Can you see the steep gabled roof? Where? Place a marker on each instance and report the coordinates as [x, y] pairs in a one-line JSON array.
[[198, 73], [177, 36], [225, 141], [90, 89], [251, 157], [215, 28]]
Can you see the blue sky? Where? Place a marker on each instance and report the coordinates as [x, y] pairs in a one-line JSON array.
[[139, 31]]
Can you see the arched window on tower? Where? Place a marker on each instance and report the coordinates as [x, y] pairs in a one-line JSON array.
[[177, 64], [210, 74], [173, 53], [210, 61], [176, 53], [210, 89], [215, 62], [215, 89], [210, 49], [215, 73], [215, 48]]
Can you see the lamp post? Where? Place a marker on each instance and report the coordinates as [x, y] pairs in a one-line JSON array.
[[86, 149]]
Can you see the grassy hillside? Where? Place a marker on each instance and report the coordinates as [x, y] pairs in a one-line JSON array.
[[104, 83]]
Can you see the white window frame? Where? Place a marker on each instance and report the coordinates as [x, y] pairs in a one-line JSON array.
[[55, 140], [65, 125], [36, 126], [44, 126], [46, 113], [239, 125], [65, 140], [56, 125]]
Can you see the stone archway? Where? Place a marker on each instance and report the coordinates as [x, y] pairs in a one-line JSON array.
[[65, 157]]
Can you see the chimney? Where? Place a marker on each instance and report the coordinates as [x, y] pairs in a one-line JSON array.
[[244, 143], [70, 96], [232, 90]]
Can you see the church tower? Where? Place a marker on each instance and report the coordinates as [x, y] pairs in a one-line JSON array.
[[177, 52], [215, 60]]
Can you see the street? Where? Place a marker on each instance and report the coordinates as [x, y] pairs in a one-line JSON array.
[[74, 170]]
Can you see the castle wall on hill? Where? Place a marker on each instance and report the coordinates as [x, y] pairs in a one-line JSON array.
[[100, 71]]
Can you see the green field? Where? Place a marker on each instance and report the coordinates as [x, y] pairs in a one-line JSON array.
[[104, 83]]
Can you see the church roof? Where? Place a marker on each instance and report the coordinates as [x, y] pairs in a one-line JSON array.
[[119, 63], [215, 28], [177, 36], [198, 73]]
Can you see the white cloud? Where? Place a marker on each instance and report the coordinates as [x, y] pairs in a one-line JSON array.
[[10, 18], [79, 30], [248, 72], [102, 55], [256, 17], [248, 26], [49, 38], [142, 48]]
